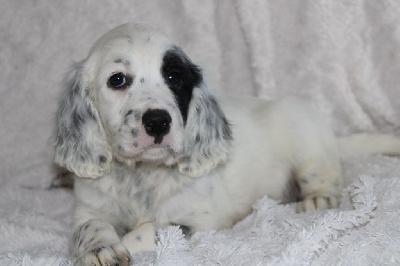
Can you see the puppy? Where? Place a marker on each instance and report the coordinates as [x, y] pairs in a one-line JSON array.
[[151, 147]]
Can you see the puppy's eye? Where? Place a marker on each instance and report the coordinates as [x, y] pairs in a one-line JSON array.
[[117, 81], [175, 78]]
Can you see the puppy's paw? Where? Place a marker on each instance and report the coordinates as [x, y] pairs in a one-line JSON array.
[[116, 254], [318, 202], [196, 167]]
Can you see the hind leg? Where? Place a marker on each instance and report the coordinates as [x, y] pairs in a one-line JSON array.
[[320, 182]]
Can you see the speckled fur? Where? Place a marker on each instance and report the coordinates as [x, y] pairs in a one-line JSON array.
[[206, 172]]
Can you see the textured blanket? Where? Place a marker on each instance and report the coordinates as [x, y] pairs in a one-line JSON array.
[[343, 55], [35, 224]]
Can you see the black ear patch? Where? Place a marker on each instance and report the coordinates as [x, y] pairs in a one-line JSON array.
[[181, 76]]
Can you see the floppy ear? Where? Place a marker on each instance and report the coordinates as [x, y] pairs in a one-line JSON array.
[[207, 135], [79, 142]]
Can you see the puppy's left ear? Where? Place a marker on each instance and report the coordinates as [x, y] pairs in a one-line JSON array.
[[207, 135]]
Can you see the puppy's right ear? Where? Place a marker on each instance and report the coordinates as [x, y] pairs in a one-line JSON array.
[[79, 141]]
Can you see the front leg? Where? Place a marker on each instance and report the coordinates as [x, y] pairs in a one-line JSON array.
[[97, 243], [141, 238]]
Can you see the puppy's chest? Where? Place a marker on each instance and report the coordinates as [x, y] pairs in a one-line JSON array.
[[141, 190]]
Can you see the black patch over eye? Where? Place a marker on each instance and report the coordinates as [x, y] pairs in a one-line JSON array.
[[174, 77], [119, 81], [181, 76]]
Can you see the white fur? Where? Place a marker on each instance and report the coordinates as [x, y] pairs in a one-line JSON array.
[[201, 175]]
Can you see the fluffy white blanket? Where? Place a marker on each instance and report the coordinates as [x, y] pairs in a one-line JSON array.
[[343, 55], [365, 230]]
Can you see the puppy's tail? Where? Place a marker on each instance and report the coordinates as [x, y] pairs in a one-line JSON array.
[[369, 144]]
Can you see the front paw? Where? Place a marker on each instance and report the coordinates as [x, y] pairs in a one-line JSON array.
[[115, 254], [320, 202]]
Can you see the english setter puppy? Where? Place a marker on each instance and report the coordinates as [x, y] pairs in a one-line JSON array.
[[151, 147]]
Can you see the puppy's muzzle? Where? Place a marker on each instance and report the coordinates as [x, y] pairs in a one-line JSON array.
[[157, 123]]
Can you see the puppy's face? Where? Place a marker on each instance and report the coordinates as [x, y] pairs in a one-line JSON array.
[[137, 97], [142, 87]]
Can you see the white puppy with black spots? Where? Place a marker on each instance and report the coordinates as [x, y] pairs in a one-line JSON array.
[[152, 147]]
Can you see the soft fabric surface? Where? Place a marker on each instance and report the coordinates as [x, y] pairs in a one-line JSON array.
[[343, 55]]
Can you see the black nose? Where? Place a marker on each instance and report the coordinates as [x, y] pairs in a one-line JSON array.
[[157, 123]]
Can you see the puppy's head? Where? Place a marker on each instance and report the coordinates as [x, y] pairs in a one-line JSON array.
[[138, 98]]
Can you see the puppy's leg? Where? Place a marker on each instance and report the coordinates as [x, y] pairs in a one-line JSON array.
[[320, 183], [141, 238], [96, 243]]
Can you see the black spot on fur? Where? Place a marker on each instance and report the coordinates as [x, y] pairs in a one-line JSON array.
[[86, 227], [181, 76], [98, 250], [129, 112], [146, 197], [336, 184], [129, 39], [102, 159], [87, 92], [122, 61], [134, 132], [137, 115]]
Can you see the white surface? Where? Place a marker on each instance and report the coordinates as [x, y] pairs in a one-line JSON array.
[[343, 55]]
